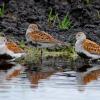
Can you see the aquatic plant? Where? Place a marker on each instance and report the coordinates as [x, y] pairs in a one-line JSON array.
[[34, 54], [68, 52], [2, 9], [32, 57], [71, 52], [65, 23], [52, 17]]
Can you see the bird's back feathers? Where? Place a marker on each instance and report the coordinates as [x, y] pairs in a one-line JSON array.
[[91, 46], [14, 47], [41, 36]]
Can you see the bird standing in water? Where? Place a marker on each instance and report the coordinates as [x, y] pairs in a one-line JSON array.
[[9, 50], [86, 48], [39, 38]]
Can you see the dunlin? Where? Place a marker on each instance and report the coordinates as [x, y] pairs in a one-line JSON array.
[[41, 39], [9, 50], [86, 48]]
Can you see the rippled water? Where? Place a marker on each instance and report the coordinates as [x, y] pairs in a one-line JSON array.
[[17, 84]]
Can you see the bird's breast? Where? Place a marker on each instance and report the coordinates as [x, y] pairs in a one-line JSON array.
[[78, 46]]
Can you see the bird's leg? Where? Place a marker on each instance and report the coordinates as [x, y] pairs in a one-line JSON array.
[[90, 61]]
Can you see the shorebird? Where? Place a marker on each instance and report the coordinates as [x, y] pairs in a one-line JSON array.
[[40, 39], [9, 50], [86, 48]]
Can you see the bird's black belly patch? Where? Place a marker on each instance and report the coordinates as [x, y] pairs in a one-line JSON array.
[[5, 57], [83, 55]]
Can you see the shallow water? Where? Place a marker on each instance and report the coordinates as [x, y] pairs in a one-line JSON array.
[[18, 84]]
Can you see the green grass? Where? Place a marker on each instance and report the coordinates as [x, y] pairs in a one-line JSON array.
[[2, 10], [65, 23], [52, 17], [67, 52], [34, 54], [22, 44]]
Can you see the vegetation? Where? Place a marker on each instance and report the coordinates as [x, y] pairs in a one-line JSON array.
[[67, 52], [62, 24], [34, 54], [65, 23], [52, 18], [2, 10], [22, 44]]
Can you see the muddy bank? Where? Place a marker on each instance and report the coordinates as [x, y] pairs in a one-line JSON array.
[[20, 13]]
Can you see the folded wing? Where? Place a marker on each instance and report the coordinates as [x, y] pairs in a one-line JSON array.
[[41, 36], [91, 47], [14, 47]]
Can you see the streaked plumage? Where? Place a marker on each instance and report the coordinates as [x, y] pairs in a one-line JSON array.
[[40, 39], [36, 36], [86, 47], [14, 47], [9, 50], [91, 46]]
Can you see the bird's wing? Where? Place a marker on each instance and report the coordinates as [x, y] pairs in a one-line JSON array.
[[14, 47], [91, 46], [41, 36]]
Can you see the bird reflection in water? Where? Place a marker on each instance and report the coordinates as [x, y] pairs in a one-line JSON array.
[[86, 75], [35, 77], [9, 70]]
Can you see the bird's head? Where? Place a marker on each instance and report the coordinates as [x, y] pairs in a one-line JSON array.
[[3, 40], [80, 36], [33, 27]]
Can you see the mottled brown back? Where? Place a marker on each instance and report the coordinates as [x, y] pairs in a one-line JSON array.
[[14, 47], [40, 36], [91, 46]]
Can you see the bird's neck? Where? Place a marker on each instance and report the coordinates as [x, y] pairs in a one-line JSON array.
[[78, 45], [81, 40], [29, 31]]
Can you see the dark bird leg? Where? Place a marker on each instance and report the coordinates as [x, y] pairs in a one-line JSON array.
[[86, 61]]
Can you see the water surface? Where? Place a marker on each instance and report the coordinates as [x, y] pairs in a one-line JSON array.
[[80, 84]]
